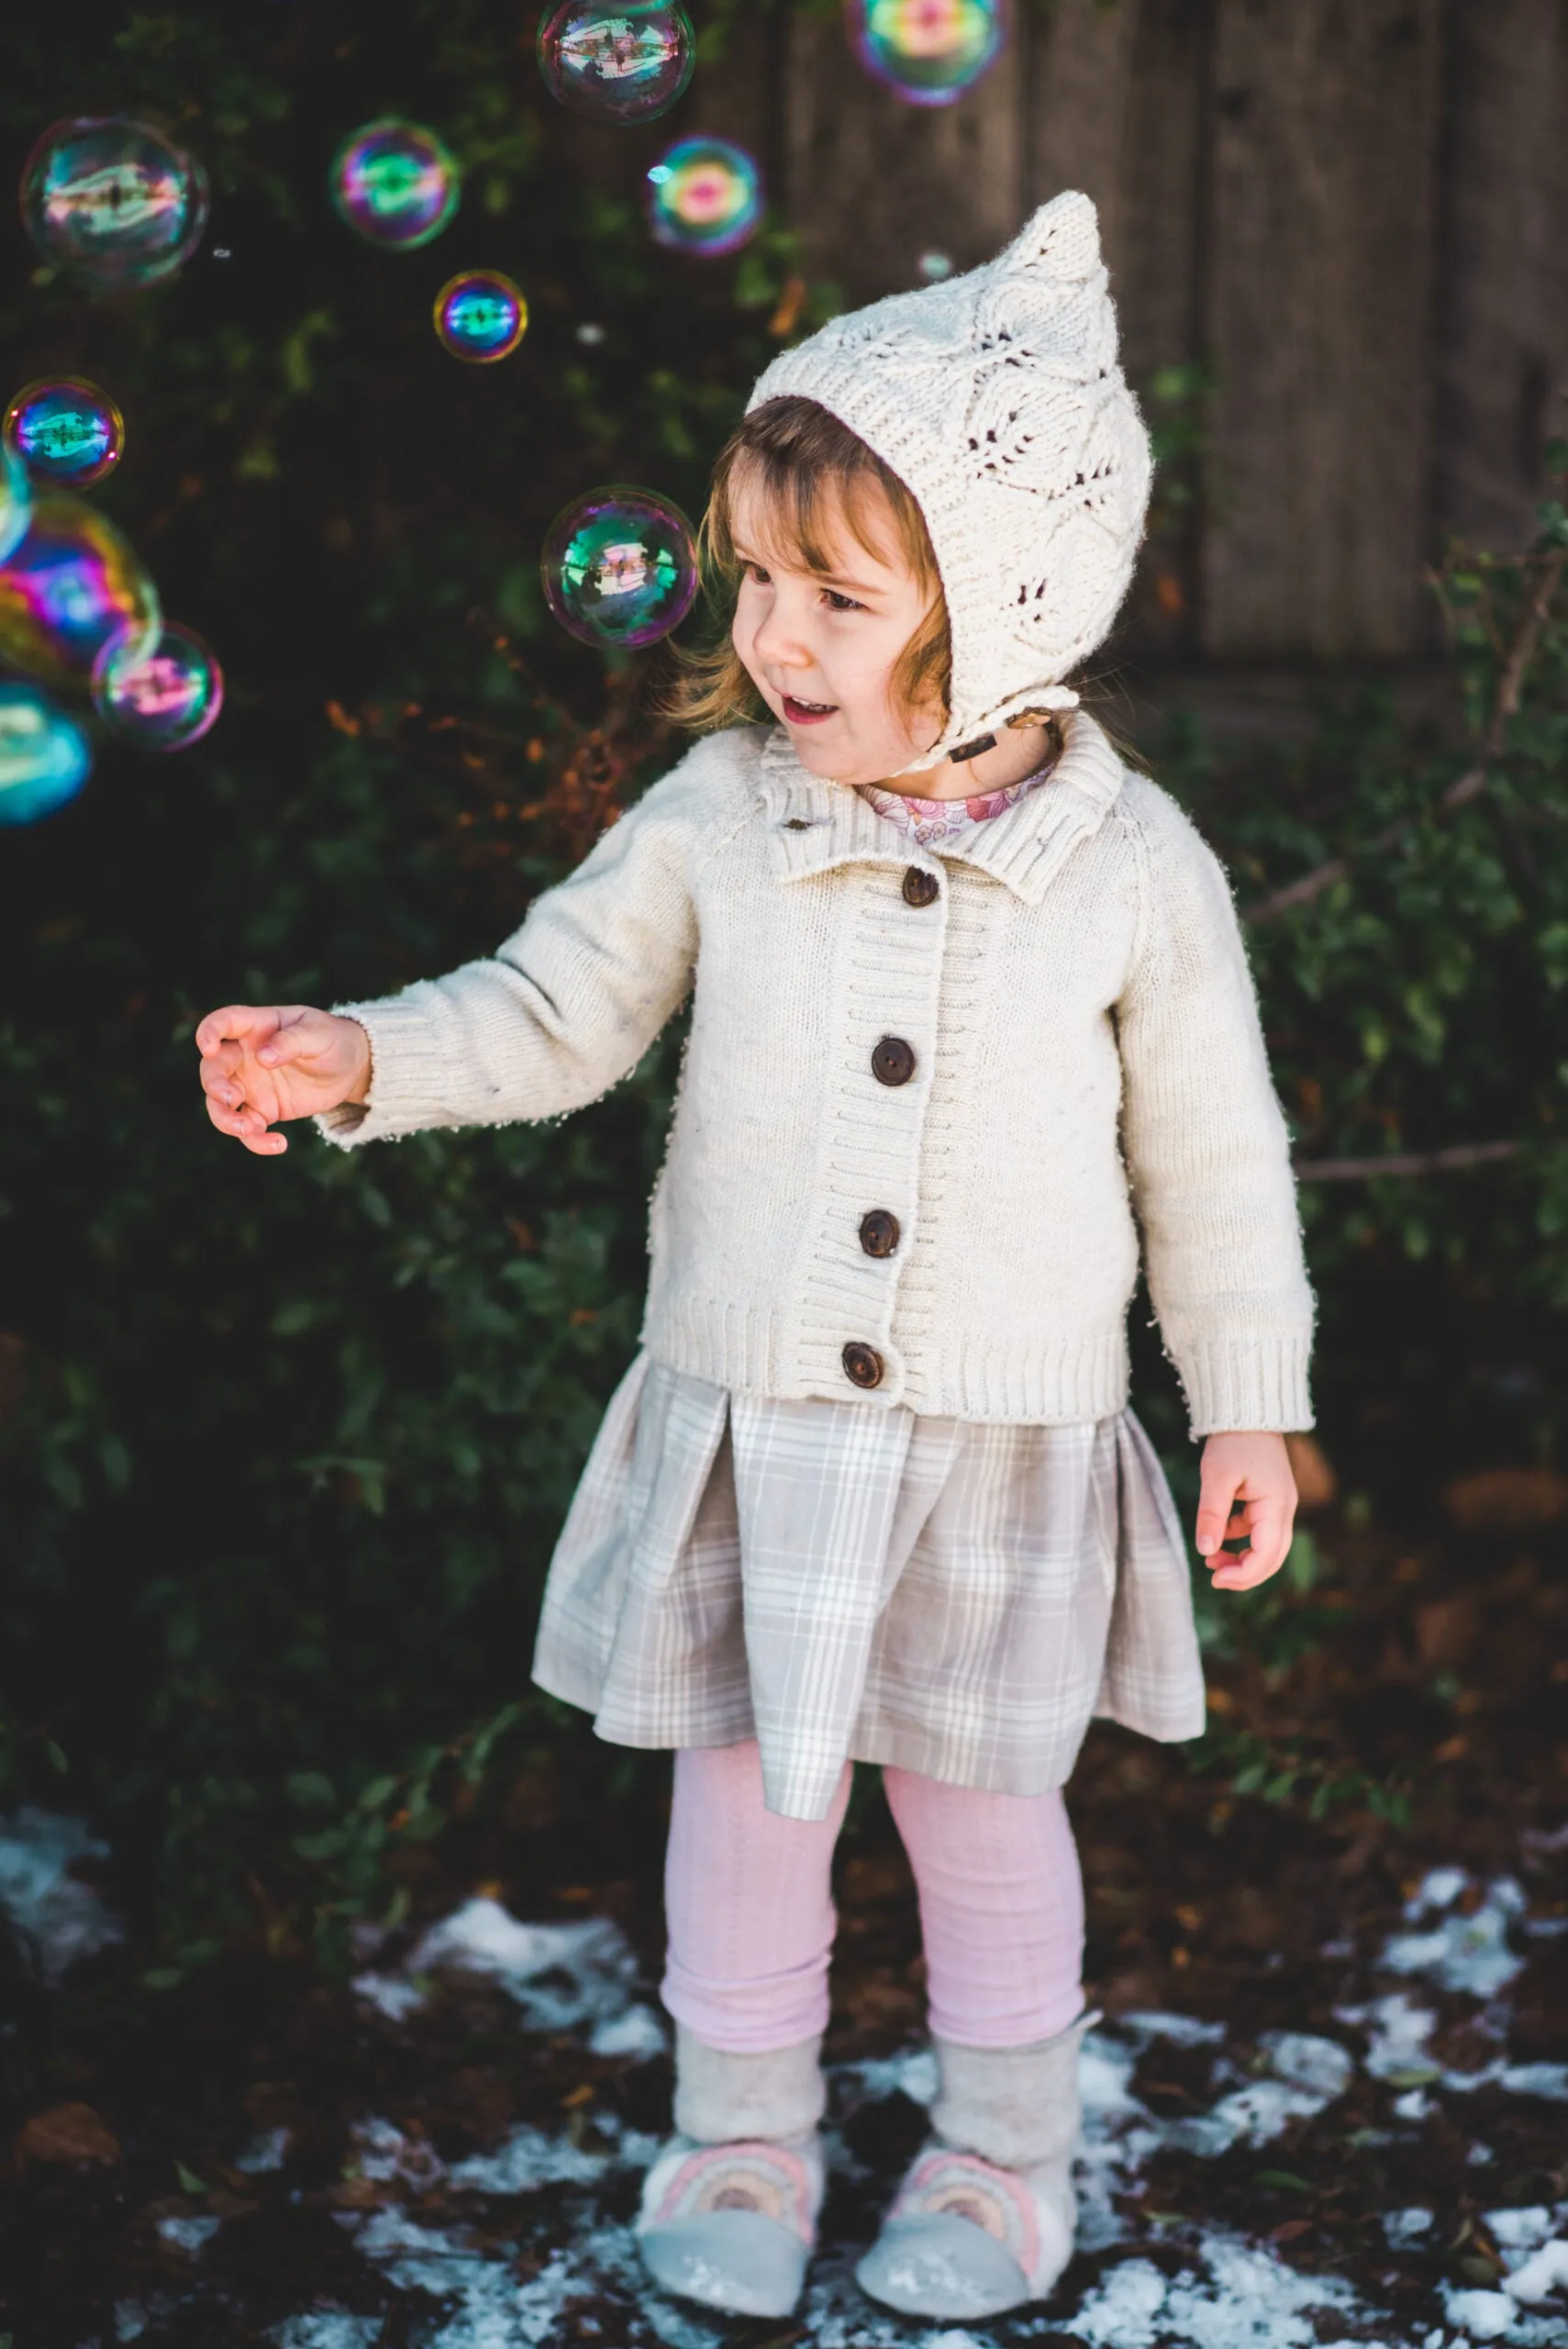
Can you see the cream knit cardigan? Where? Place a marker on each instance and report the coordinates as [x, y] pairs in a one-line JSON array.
[[1086, 1045]]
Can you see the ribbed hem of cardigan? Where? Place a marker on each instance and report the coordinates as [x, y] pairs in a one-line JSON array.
[[1247, 1384], [751, 1350], [407, 1071]]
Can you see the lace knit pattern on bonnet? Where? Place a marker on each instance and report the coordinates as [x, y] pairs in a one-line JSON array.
[[997, 399]]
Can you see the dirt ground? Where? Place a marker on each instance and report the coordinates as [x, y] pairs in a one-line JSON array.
[[1328, 2103]]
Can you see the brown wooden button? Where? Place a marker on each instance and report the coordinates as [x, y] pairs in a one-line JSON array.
[[920, 888], [893, 1060], [864, 1366], [880, 1235]]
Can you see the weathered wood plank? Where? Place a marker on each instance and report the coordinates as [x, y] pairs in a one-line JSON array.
[[1325, 149], [1502, 342], [871, 183]]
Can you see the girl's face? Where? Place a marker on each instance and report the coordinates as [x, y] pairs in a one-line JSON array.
[[821, 649]]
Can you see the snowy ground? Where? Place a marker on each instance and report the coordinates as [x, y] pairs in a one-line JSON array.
[[1189, 2127]]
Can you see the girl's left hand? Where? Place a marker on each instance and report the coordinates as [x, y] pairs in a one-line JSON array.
[[1251, 1474]]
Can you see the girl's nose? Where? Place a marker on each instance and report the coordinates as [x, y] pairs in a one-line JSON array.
[[779, 639]]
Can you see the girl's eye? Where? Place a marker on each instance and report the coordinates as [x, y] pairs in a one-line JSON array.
[[754, 570], [837, 603]]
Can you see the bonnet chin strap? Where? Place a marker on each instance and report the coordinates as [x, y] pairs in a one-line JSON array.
[[1016, 724]]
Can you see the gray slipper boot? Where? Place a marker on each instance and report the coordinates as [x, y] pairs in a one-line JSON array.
[[735, 2260], [942, 2265]]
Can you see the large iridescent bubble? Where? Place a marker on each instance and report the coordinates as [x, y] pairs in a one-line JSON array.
[[481, 316], [16, 500], [162, 699], [618, 64], [705, 196], [113, 201], [70, 586], [44, 756], [929, 53], [65, 430], [394, 184], [620, 567]]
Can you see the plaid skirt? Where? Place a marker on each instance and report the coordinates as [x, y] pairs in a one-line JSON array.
[[841, 1581]]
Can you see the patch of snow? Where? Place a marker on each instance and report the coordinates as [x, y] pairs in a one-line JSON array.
[[912, 2072], [394, 1999], [1486, 2315], [1519, 2230], [1251, 2300], [531, 2158], [188, 2234], [638, 2034], [1468, 1954], [1182, 2031], [384, 2154], [264, 2153], [1545, 1929], [1397, 2035], [1310, 2073], [57, 1918], [1414, 2105], [1543, 2273], [1404, 2228], [560, 1976], [328, 2329]]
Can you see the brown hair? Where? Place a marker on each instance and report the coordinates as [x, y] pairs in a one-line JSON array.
[[810, 470]]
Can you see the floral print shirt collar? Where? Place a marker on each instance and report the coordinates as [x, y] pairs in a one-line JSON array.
[[928, 822]]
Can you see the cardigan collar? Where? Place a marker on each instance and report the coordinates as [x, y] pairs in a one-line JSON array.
[[816, 824]]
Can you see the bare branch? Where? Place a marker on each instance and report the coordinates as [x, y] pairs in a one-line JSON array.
[[1411, 1161], [1465, 787]]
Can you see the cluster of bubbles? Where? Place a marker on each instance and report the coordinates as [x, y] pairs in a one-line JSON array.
[[705, 196], [481, 316], [394, 184], [929, 53], [620, 567], [619, 64], [116, 204], [113, 201], [64, 429]]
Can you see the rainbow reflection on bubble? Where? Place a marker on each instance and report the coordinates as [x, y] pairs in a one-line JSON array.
[[617, 64], [163, 699], [65, 430], [44, 756], [112, 200], [70, 586], [620, 567], [481, 316], [928, 52], [705, 196], [394, 184], [16, 500]]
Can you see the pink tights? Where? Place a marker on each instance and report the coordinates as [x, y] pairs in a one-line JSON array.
[[752, 1917]]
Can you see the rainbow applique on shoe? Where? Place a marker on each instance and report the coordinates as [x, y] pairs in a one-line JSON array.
[[732, 2226]]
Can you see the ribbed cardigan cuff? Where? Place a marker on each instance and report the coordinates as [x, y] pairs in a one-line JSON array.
[[411, 1078], [1247, 1384]]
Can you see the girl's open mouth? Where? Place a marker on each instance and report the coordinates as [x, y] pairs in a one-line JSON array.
[[807, 713]]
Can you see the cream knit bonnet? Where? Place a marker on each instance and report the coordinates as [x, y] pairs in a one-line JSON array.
[[997, 400]]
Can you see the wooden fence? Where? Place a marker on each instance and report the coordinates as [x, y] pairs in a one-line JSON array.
[[1354, 211]]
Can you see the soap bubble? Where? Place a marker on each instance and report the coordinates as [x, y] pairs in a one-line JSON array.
[[162, 699], [620, 567], [935, 265], [705, 196], [65, 430], [929, 53], [624, 63], [16, 500], [394, 184], [112, 200], [44, 756], [69, 587], [481, 316]]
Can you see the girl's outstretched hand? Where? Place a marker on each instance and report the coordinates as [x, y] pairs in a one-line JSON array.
[[1251, 1474], [261, 1064]]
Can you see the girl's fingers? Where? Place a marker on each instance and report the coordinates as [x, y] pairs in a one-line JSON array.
[[295, 1040], [1215, 1500], [1268, 1530], [239, 1023]]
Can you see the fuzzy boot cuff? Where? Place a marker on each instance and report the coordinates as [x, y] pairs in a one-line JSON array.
[[1013, 2106], [721, 2096]]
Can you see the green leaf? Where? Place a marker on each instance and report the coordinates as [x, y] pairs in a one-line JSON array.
[[1284, 2181], [189, 2182]]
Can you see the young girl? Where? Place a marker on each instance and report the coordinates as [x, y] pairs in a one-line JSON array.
[[968, 995]]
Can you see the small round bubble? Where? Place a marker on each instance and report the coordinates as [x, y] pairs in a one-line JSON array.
[[161, 700], [620, 567], [617, 64], [113, 201], [70, 585], [16, 500], [394, 184], [65, 430], [44, 756], [481, 316], [929, 53], [935, 265], [705, 196]]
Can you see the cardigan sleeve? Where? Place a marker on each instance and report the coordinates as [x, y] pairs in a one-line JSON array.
[[1206, 1147], [568, 1006]]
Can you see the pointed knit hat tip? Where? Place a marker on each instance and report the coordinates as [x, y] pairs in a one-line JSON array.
[[997, 397]]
